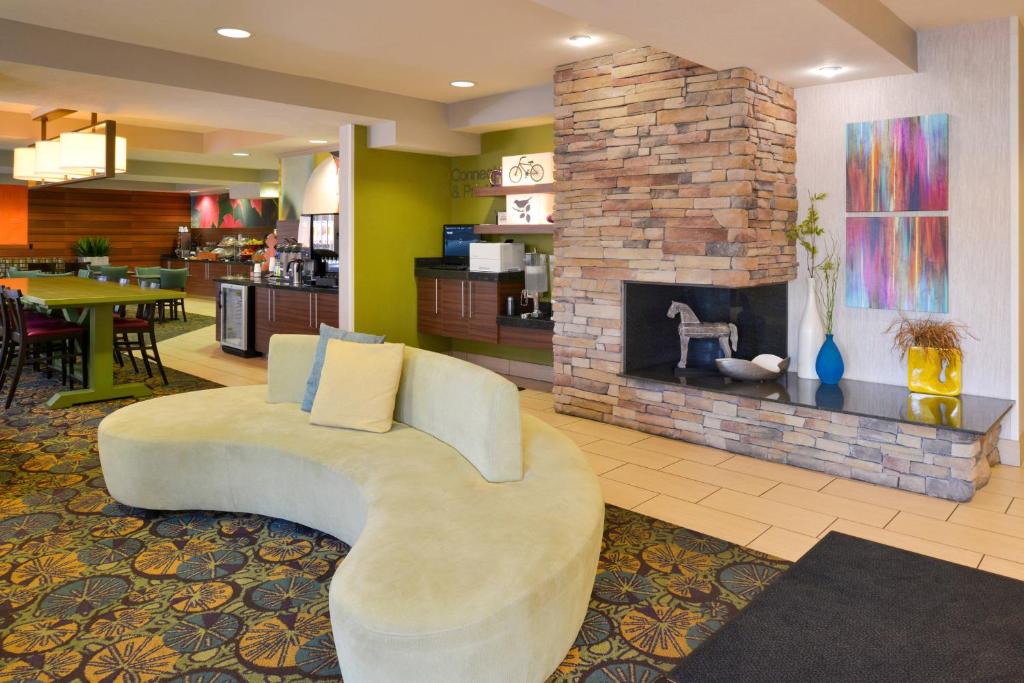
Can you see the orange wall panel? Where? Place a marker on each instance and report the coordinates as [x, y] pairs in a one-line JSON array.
[[13, 215]]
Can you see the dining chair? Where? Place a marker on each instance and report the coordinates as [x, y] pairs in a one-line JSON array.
[[147, 274], [85, 273], [174, 279], [25, 337], [140, 327], [114, 273]]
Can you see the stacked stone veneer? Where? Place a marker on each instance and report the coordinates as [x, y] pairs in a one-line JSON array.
[[667, 171]]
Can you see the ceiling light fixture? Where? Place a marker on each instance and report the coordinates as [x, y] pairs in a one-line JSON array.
[[239, 154], [829, 70], [237, 33], [318, 142], [581, 39], [93, 152], [462, 84]]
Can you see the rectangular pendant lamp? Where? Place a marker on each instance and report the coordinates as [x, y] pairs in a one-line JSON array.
[[87, 153], [25, 164]]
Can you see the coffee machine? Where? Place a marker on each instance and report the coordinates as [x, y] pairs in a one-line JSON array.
[[536, 272], [319, 232]]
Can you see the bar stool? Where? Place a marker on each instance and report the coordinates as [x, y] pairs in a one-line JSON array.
[[24, 336]]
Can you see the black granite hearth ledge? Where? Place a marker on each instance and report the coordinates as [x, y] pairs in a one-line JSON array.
[[967, 414], [530, 323]]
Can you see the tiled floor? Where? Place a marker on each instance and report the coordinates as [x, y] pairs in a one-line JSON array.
[[773, 508], [199, 354]]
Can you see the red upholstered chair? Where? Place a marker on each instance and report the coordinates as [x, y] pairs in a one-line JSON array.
[[27, 335], [138, 334]]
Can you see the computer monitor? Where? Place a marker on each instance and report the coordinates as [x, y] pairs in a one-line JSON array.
[[457, 238]]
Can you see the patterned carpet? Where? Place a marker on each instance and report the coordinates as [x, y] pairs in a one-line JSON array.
[[93, 590]]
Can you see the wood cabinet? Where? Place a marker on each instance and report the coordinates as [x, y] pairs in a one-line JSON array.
[[291, 311], [462, 308], [202, 275], [527, 337], [428, 305], [325, 309], [454, 322]]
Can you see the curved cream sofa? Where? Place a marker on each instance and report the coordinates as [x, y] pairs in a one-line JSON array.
[[452, 576]]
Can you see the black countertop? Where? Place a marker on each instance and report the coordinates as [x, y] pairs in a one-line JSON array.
[[435, 268], [274, 283], [977, 414], [530, 323]]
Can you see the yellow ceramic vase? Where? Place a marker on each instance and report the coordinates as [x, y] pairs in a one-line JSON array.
[[929, 374], [941, 411]]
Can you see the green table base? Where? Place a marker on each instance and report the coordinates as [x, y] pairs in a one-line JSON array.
[[101, 366]]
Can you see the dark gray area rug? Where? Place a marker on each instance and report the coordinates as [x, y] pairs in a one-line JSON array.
[[854, 610]]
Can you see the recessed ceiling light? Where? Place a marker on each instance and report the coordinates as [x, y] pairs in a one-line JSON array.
[[830, 70], [581, 39], [239, 154], [462, 84], [229, 32], [318, 142]]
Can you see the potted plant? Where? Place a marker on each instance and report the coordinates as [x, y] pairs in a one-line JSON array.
[[829, 362], [933, 349], [811, 334], [94, 251]]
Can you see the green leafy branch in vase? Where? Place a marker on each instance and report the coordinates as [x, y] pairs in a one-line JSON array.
[[828, 282], [806, 233]]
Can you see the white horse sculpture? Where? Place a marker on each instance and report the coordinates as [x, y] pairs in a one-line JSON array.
[[690, 327]]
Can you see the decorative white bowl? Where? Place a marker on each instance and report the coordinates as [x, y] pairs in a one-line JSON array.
[[761, 369]]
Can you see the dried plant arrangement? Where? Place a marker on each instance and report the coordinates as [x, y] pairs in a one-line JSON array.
[[945, 336]]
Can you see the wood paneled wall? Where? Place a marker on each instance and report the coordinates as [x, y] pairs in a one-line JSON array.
[[140, 225]]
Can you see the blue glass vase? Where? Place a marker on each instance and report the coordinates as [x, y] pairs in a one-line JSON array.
[[829, 363]]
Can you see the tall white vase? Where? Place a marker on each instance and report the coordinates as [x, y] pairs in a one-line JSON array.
[[810, 336]]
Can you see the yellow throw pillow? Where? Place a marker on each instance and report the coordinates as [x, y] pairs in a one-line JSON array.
[[358, 386]]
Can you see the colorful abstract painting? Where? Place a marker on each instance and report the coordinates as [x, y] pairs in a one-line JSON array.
[[897, 262], [221, 211], [898, 164]]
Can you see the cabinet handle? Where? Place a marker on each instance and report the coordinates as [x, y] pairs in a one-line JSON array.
[[462, 299], [309, 302], [270, 303], [471, 299], [316, 311], [435, 295]]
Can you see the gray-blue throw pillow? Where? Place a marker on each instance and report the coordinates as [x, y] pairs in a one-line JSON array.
[[327, 333]]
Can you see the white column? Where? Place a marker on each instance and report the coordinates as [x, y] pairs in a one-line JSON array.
[[346, 227]]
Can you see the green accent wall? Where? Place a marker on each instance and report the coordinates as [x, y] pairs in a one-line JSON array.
[[401, 202], [473, 171]]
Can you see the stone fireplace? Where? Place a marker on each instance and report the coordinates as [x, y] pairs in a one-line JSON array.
[[667, 173], [650, 339], [675, 182]]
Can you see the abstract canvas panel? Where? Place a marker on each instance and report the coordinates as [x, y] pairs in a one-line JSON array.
[[898, 164], [898, 262]]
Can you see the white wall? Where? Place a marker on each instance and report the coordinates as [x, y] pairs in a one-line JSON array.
[[967, 72]]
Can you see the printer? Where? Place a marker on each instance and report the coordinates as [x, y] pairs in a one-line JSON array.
[[496, 257]]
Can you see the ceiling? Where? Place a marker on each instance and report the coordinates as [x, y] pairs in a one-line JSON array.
[[926, 14], [319, 63], [408, 47]]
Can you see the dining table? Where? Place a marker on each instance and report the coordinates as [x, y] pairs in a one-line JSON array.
[[91, 303]]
